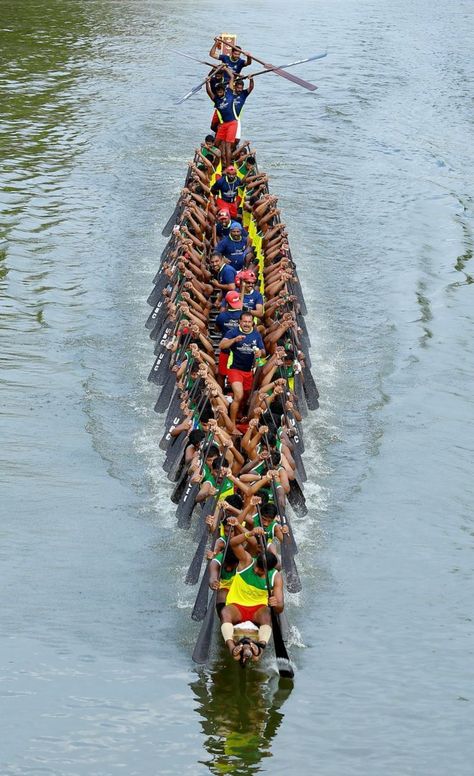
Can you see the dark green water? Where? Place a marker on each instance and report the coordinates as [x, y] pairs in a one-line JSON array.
[[375, 176]]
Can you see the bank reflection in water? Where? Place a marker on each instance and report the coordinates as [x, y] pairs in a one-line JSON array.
[[241, 714]]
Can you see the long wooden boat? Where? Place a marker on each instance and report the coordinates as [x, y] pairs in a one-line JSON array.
[[218, 457]]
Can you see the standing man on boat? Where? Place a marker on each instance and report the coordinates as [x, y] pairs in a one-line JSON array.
[[240, 96], [245, 344], [235, 61], [226, 190], [223, 99], [248, 597]]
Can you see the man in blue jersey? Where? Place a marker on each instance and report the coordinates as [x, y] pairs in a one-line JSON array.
[[234, 60], [226, 320], [245, 344], [226, 190], [235, 247], [223, 274], [252, 298], [223, 99]]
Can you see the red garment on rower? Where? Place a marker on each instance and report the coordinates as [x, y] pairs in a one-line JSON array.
[[227, 131], [239, 376]]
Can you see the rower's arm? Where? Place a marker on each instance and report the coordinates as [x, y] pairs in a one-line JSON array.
[[276, 600]]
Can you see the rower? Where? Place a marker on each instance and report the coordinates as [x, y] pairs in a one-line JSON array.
[[246, 344], [252, 298], [226, 190], [248, 598], [223, 225], [224, 274], [235, 247], [223, 99]]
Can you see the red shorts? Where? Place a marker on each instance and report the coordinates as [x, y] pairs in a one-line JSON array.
[[238, 376], [227, 131], [214, 121], [248, 612], [222, 365], [231, 207]]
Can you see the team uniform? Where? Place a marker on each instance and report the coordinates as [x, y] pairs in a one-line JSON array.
[[228, 124], [227, 577], [226, 321], [248, 592], [243, 357], [236, 65], [226, 274], [252, 300], [233, 250], [227, 192]]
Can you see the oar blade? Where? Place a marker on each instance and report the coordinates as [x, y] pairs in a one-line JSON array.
[[201, 603], [203, 644]]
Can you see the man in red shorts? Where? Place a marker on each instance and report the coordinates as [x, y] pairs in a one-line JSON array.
[[226, 190], [245, 344], [223, 99]]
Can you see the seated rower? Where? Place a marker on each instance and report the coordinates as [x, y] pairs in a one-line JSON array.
[[235, 247], [249, 599], [224, 274]]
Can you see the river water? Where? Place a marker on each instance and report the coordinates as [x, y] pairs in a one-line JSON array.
[[375, 177]]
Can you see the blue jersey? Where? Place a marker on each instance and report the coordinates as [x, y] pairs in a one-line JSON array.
[[235, 65], [252, 300], [239, 102], [225, 189], [233, 250], [226, 274], [243, 353], [225, 106], [227, 320]]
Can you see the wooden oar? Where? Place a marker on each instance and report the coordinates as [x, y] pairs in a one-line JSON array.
[[283, 660], [199, 86], [203, 643], [186, 505], [188, 56], [289, 64], [200, 605], [210, 504], [293, 582], [289, 76]]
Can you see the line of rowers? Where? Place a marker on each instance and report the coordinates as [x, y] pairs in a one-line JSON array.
[[246, 403]]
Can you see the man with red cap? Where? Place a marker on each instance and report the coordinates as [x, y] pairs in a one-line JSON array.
[[226, 190], [227, 319]]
